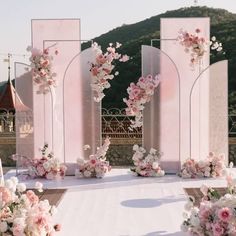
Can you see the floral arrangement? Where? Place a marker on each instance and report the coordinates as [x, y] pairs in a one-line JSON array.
[[22, 213], [96, 166], [101, 69], [196, 45], [47, 166], [193, 44], [215, 216], [41, 64], [147, 166], [212, 166], [139, 95]]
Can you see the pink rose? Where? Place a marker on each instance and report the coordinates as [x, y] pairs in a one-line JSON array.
[[218, 230], [32, 197], [225, 214], [5, 194]]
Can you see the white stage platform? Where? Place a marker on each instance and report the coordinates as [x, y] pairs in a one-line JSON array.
[[123, 205]]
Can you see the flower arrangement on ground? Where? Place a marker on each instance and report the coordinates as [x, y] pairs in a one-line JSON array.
[[214, 217], [41, 64], [96, 166], [146, 166], [212, 166], [47, 166], [139, 95], [101, 69], [22, 213]]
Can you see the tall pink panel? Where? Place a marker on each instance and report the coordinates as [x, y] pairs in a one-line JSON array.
[[81, 119], [161, 128], [64, 35], [24, 111], [217, 76], [194, 127]]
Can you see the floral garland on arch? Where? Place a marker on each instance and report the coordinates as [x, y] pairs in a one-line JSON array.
[[22, 213], [212, 166], [101, 69], [47, 166], [96, 166], [41, 64], [216, 214], [196, 45], [146, 166], [139, 95]]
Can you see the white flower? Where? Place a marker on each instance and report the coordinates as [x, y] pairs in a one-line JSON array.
[[54, 210], [195, 221], [86, 147], [153, 151], [185, 215], [80, 161], [3, 226], [184, 227], [78, 174], [231, 165], [87, 173], [155, 165], [39, 186], [204, 189], [213, 38], [46, 165], [21, 187], [188, 206]]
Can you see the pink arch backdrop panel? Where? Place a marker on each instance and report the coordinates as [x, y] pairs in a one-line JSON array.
[[195, 145], [44, 33], [24, 110], [81, 115], [217, 76], [161, 128]]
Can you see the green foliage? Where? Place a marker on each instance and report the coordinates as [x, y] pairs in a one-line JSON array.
[[223, 26]]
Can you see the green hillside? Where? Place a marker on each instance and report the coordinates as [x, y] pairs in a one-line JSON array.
[[223, 26]]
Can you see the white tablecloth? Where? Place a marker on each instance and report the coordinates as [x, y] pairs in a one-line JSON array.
[[123, 205]]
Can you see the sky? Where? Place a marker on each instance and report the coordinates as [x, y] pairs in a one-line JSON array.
[[97, 17]]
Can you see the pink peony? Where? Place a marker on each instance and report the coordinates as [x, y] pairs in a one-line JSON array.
[[32, 197], [218, 230], [225, 214], [5, 195]]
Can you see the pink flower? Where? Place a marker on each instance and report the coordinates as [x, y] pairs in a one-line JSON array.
[[5, 195], [218, 230], [34, 199], [225, 214]]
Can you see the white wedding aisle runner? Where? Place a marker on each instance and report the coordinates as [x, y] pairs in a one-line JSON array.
[[123, 205]]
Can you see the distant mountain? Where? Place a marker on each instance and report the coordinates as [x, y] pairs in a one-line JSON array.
[[223, 26]]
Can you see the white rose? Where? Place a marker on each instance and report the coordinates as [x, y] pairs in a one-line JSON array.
[[21, 187], [135, 147], [53, 210], [46, 165], [194, 220], [86, 147], [78, 174], [14, 180], [188, 206], [204, 189], [39, 186], [155, 165], [3, 226], [87, 173], [9, 183], [153, 151], [80, 161], [184, 228]]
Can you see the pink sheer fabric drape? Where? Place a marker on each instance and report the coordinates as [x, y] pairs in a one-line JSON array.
[[217, 77], [161, 128]]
